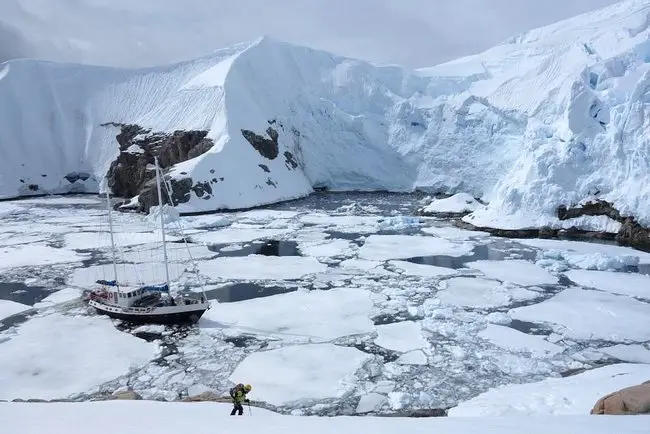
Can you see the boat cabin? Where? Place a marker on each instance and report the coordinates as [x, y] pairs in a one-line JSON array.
[[125, 298]]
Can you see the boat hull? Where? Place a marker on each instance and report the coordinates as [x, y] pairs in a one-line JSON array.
[[188, 315]]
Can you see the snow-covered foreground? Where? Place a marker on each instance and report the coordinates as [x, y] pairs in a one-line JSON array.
[[551, 117], [358, 308], [136, 417]]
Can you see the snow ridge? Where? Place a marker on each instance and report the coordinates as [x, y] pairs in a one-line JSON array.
[[546, 118]]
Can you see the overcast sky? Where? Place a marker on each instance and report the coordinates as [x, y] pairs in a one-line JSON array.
[[415, 33]]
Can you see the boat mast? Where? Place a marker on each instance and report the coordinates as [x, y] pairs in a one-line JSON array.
[[162, 221], [110, 226]]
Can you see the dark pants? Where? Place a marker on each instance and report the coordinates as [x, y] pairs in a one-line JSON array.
[[237, 408]]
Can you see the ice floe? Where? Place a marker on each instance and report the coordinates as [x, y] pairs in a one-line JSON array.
[[458, 203], [585, 314], [313, 316], [300, 372], [481, 293], [514, 340], [127, 274], [238, 235], [585, 248], [453, 233], [402, 336], [259, 267], [61, 296], [385, 247], [9, 308], [628, 353], [410, 269], [518, 272], [56, 355], [327, 248], [102, 240], [632, 284], [31, 255]]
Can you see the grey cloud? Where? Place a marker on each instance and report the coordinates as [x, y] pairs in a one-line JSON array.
[[144, 32]]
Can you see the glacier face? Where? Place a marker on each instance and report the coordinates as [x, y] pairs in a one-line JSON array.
[[546, 118]]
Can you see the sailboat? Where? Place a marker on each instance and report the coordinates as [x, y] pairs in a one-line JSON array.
[[149, 304]]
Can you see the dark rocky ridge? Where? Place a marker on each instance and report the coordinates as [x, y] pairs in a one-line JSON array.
[[268, 148], [131, 174], [631, 233]]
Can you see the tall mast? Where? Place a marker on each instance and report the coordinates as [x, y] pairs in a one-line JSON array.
[[110, 226], [162, 220]]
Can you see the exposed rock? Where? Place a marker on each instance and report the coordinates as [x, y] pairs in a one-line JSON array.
[[599, 207], [201, 188], [132, 173], [265, 168], [631, 232], [73, 177], [126, 395], [208, 395], [547, 232], [268, 148], [427, 412], [631, 400], [290, 161]]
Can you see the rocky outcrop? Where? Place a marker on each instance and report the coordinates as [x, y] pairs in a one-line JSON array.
[[208, 395], [125, 395], [631, 400], [631, 232], [427, 412], [132, 174], [268, 148]]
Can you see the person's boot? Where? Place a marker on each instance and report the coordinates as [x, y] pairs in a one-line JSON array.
[[232, 413]]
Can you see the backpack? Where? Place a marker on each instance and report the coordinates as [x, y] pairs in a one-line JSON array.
[[235, 389]]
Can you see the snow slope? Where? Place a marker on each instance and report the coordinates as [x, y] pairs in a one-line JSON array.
[[546, 118], [554, 396], [203, 417]]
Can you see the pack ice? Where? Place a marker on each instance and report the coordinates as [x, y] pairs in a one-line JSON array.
[[548, 117]]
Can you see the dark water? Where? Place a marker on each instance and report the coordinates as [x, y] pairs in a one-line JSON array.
[[266, 248], [374, 203], [245, 291], [373, 349], [493, 251], [350, 236], [14, 320], [21, 293], [529, 328], [384, 319]]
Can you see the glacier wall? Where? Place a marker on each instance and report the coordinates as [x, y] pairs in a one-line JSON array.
[[547, 118]]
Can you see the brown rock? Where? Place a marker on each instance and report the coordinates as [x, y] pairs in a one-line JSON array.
[[632, 233], [131, 174], [547, 232], [631, 400], [208, 395], [126, 394]]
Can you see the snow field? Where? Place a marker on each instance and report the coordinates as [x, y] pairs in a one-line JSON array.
[[57, 418]]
